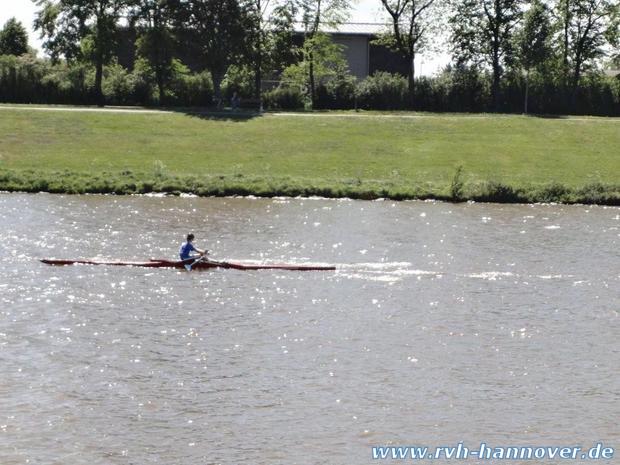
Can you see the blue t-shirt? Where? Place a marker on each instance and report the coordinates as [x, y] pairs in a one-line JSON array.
[[186, 249]]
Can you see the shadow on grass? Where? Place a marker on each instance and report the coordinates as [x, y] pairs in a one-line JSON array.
[[215, 114], [533, 115]]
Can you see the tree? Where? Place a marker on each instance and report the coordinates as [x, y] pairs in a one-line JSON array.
[[218, 31], [13, 38], [257, 33], [156, 42], [81, 29], [314, 15], [270, 41], [412, 21], [280, 50], [587, 28], [325, 57], [483, 34], [533, 41]]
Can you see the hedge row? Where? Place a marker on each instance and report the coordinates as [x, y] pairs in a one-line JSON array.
[[27, 79]]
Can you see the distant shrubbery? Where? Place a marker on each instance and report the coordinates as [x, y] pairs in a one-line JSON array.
[[285, 98], [466, 90], [27, 79], [383, 91]]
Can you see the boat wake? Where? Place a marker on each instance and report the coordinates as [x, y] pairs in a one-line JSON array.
[[392, 272], [388, 272]]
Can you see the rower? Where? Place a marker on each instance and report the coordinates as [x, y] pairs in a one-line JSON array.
[[185, 252]]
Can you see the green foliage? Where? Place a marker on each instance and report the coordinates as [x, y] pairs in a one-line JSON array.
[[238, 79], [285, 98], [68, 84], [413, 24], [118, 85], [483, 33], [156, 42], [83, 29], [191, 89], [279, 49], [144, 83], [533, 45], [493, 191], [317, 13], [218, 30], [337, 93], [586, 29], [13, 38], [456, 186], [161, 180], [383, 91], [321, 61], [28, 79]]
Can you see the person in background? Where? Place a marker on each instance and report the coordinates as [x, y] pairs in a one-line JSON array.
[[235, 101]]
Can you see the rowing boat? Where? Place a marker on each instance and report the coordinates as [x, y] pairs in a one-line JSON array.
[[196, 265]]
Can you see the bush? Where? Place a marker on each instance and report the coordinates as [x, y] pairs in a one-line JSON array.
[[383, 91], [192, 89], [284, 98], [337, 93], [493, 191], [456, 186], [118, 85], [28, 79], [144, 83], [238, 79], [21, 78]]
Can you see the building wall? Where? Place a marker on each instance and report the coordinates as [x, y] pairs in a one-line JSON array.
[[366, 58], [355, 52], [384, 59]]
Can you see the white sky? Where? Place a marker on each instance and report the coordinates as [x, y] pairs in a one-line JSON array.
[[362, 11]]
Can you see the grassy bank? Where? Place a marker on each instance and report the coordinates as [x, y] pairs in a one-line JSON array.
[[506, 159]]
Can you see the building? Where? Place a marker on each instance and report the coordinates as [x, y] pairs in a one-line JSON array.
[[613, 73], [362, 54], [364, 57]]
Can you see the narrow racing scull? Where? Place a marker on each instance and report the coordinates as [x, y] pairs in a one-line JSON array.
[[195, 264]]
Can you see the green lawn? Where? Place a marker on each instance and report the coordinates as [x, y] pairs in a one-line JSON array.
[[332, 154]]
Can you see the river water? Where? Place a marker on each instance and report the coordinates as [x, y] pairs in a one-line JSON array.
[[443, 323]]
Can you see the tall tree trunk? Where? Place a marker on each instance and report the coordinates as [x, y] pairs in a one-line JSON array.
[[411, 83], [258, 78], [259, 56], [160, 85], [527, 90], [565, 53], [496, 84], [575, 83], [99, 40], [565, 45], [218, 77], [311, 76], [497, 69], [99, 81], [159, 72]]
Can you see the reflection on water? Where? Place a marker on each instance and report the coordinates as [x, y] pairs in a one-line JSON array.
[[443, 323]]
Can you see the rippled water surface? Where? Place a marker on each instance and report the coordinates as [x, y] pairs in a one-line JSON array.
[[443, 323]]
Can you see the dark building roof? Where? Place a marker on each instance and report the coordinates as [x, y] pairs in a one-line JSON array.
[[362, 29]]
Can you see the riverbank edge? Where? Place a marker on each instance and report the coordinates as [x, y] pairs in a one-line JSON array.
[[129, 183]]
